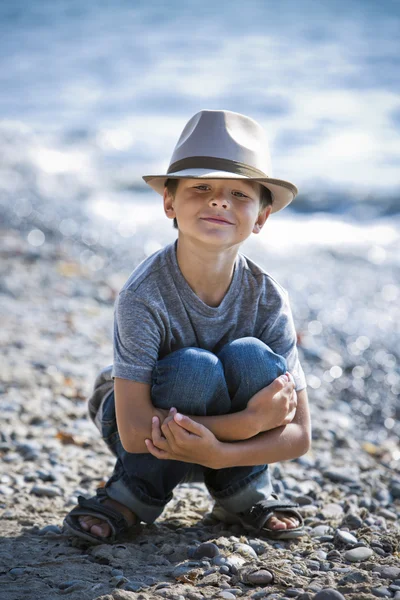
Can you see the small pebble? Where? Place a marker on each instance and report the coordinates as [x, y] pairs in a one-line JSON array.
[[227, 595], [328, 594], [303, 500], [388, 514], [207, 549], [261, 577], [381, 592], [49, 529], [320, 530], [245, 550], [46, 490], [17, 571], [388, 572], [293, 592], [345, 537], [352, 521], [224, 569], [219, 560], [134, 586], [358, 554], [332, 511]]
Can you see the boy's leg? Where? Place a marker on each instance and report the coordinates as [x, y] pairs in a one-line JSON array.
[[190, 380], [249, 366]]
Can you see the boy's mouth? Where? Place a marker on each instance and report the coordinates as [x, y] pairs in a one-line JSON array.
[[217, 219]]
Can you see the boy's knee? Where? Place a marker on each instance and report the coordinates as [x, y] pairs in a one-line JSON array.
[[197, 362], [252, 350], [196, 383]]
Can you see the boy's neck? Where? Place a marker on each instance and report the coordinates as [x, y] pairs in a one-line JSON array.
[[208, 271]]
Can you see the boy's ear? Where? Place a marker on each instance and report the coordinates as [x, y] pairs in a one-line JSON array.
[[261, 219], [168, 204]]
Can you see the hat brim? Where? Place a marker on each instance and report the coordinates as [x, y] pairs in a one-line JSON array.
[[283, 192]]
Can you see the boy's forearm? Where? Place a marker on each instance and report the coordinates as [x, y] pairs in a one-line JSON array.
[[232, 427], [282, 443]]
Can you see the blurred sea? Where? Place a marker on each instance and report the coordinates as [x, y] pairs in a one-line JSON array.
[[94, 95]]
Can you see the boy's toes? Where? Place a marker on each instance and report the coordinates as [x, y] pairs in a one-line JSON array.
[[101, 529], [275, 523], [279, 521], [87, 523]]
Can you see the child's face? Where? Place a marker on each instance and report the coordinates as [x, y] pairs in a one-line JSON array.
[[216, 211]]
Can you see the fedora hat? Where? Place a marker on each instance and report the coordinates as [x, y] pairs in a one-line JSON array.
[[219, 144]]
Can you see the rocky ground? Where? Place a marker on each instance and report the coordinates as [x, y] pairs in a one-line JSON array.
[[56, 309]]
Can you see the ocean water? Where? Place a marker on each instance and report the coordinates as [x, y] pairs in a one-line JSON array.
[[94, 95]]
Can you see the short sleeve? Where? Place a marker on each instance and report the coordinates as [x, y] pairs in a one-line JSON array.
[[137, 338], [280, 335]]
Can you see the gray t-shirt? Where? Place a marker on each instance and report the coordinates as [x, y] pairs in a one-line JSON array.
[[157, 313]]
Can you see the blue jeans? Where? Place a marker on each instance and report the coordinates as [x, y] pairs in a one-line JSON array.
[[196, 382]]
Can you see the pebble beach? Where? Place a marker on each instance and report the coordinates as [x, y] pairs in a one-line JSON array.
[[93, 96], [58, 287]]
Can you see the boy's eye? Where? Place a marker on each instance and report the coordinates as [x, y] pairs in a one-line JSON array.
[[201, 187], [240, 195]]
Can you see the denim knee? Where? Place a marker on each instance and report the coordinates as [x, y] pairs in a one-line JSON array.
[[252, 351], [249, 366], [192, 380]]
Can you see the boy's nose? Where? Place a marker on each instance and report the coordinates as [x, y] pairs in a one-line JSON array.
[[219, 198]]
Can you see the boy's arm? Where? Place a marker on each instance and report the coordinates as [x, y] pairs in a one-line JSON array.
[[134, 411], [282, 443], [182, 438]]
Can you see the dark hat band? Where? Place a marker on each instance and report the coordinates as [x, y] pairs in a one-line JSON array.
[[216, 164]]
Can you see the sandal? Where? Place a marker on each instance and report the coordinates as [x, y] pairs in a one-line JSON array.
[[94, 507], [255, 518]]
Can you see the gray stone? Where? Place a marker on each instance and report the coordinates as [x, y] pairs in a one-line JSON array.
[[340, 476], [17, 572], [49, 529], [259, 595], [245, 550], [262, 577], [207, 549], [134, 586], [227, 595], [258, 546], [48, 491], [329, 594], [387, 514], [352, 521], [224, 569], [358, 554], [381, 592], [303, 500], [293, 592], [332, 511], [354, 577], [219, 560], [388, 572], [320, 530], [345, 537], [313, 565]]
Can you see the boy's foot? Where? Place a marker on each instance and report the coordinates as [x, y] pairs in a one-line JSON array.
[[273, 518], [100, 520], [101, 528], [279, 521]]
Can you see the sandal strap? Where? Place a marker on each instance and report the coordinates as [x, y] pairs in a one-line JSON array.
[[95, 506], [259, 513]]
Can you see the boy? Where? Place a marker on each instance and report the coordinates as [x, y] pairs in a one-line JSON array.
[[203, 342]]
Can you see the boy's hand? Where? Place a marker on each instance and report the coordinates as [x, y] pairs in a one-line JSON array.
[[274, 405], [180, 438]]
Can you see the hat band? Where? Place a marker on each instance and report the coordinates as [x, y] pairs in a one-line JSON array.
[[216, 164]]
